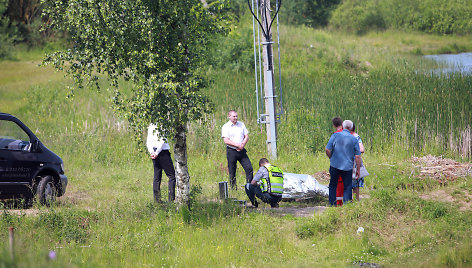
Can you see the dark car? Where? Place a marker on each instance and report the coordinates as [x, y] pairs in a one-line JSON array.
[[27, 168]]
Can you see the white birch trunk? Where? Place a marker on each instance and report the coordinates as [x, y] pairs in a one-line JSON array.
[[181, 168]]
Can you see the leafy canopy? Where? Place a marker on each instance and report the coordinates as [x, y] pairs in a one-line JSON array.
[[158, 44]]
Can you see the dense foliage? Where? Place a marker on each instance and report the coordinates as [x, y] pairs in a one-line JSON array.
[[8, 34], [313, 13], [430, 16], [158, 45]]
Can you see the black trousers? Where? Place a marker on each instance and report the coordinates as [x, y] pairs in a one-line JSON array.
[[252, 191], [163, 162], [233, 157]]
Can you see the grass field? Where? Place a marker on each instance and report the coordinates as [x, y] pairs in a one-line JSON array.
[[107, 217]]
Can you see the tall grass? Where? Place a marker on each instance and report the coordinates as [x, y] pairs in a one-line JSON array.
[[392, 99]]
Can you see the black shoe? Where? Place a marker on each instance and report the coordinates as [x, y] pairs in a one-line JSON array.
[[255, 204], [275, 205]]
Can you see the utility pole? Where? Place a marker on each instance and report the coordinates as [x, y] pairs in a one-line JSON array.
[[270, 116], [271, 125]]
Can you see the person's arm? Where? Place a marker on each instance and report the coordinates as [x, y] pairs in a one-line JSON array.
[[159, 145], [358, 166], [361, 147], [150, 142], [329, 147], [357, 159], [154, 143], [230, 142], [328, 152], [240, 147], [259, 175]]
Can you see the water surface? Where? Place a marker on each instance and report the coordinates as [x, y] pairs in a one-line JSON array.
[[453, 63]]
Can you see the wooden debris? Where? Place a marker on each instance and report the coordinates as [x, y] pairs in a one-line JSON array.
[[440, 168]]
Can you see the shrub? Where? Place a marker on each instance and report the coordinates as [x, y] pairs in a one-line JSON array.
[[313, 13], [358, 16], [430, 16], [8, 32]]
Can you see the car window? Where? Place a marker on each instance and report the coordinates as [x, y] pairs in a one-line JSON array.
[[12, 136]]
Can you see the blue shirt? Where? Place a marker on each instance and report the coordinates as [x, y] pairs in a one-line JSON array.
[[344, 147]]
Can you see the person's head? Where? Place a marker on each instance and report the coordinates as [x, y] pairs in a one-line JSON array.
[[233, 116], [347, 124], [353, 127], [337, 122], [263, 162]]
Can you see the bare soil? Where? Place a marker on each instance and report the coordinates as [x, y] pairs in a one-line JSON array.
[[462, 198]]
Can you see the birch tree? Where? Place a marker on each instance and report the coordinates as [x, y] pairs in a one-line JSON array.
[[159, 45]]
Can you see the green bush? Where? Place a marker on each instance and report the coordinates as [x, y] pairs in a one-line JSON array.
[[8, 32], [358, 16], [313, 13], [235, 51], [430, 16]]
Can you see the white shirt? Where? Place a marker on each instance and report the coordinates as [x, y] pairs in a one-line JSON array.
[[155, 144], [234, 132]]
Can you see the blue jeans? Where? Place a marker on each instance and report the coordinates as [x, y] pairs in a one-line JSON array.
[[333, 184], [252, 191]]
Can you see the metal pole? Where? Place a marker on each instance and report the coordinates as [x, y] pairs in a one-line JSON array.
[[270, 116], [271, 127]]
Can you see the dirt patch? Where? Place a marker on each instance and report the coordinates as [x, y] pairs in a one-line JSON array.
[[22, 212], [73, 198], [441, 169], [462, 198]]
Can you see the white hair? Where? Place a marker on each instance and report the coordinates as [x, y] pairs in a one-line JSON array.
[[347, 124]]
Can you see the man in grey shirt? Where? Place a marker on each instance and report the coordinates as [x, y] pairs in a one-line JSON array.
[[267, 185]]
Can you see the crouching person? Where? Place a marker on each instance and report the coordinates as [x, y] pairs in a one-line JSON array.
[[267, 185]]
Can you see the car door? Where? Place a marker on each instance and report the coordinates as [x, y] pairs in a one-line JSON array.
[[17, 163]]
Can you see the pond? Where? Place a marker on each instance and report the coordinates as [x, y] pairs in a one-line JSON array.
[[453, 63]]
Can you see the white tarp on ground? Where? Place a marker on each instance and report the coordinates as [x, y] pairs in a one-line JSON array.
[[302, 186]]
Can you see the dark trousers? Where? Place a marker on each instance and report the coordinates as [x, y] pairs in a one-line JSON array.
[[333, 184], [163, 162], [233, 157], [252, 191]]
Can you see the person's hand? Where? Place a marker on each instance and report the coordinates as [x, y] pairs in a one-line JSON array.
[[153, 156], [240, 147]]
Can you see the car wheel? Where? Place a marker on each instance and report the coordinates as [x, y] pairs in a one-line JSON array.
[[46, 193]]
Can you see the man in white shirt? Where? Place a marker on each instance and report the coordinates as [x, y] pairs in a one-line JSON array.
[[235, 136], [159, 150]]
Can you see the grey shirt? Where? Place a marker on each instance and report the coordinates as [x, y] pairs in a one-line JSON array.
[[261, 173]]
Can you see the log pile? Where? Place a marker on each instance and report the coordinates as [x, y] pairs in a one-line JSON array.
[[440, 168]]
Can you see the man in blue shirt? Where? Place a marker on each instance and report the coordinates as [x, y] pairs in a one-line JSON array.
[[342, 150]]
